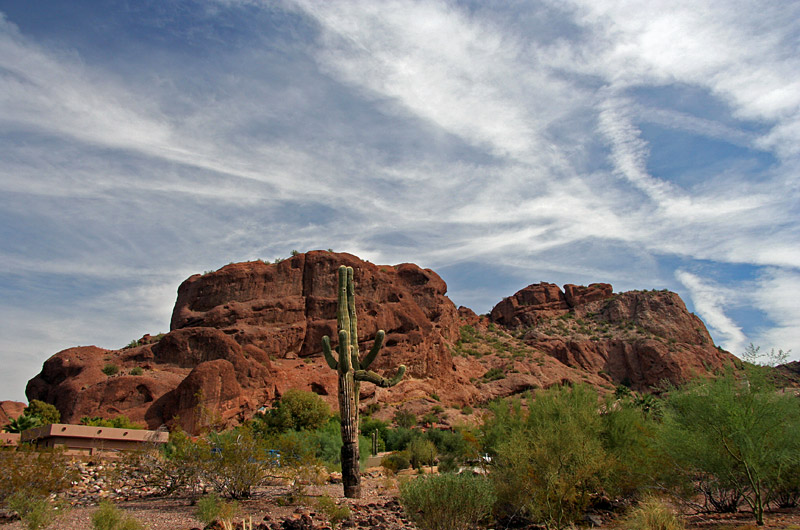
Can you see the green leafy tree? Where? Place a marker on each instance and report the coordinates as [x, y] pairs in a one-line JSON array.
[[739, 430], [46, 412], [296, 410]]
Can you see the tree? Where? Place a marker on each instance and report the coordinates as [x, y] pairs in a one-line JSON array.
[[737, 429], [296, 410], [46, 412]]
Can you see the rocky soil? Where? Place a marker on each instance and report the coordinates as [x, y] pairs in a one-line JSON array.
[[272, 508]]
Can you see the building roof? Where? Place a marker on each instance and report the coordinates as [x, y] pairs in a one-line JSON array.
[[94, 433]]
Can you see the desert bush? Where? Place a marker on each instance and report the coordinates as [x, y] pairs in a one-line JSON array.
[[398, 439], [551, 459], [447, 502], [46, 412], [136, 370], [109, 517], [118, 422], [110, 369], [322, 445], [405, 419], [234, 462], [336, 513], [652, 514], [170, 467], [448, 464], [296, 410], [736, 428], [211, 508], [395, 462], [422, 452], [34, 473], [35, 510]]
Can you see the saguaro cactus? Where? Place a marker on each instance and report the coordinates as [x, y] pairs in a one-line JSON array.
[[352, 371]]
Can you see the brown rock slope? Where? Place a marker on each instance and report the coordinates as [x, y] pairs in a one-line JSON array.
[[639, 338], [244, 334], [10, 410]]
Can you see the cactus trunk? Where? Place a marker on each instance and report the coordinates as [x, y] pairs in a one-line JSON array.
[[351, 373]]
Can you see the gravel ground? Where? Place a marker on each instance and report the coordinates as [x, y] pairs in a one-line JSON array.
[[378, 505]]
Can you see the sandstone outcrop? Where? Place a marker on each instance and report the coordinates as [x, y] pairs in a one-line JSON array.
[[10, 410], [243, 335], [640, 338]]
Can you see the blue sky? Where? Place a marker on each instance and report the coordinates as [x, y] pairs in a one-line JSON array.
[[645, 144]]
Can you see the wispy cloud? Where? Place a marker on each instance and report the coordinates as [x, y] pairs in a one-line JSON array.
[[709, 300], [513, 138]]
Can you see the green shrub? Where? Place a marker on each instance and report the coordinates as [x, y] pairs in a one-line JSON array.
[[296, 410], [405, 419], [652, 514], [398, 439], [336, 513], [736, 428], [110, 369], [109, 517], [395, 462], [46, 412], [422, 452], [36, 511], [136, 370], [448, 464], [211, 508], [118, 422], [234, 462], [550, 460], [447, 502]]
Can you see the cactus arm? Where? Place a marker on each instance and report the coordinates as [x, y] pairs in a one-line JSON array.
[[375, 349], [326, 351], [344, 355], [372, 377]]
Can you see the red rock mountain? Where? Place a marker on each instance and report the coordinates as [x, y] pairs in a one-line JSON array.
[[243, 335], [10, 410]]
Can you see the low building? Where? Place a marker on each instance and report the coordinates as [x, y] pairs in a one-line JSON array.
[[88, 440], [9, 439]]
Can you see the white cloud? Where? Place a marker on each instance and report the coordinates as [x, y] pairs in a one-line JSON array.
[[776, 295], [709, 301]]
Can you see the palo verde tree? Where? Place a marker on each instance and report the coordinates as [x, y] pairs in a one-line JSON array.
[[352, 370]]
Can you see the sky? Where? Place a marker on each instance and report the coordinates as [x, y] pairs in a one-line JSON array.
[[647, 144]]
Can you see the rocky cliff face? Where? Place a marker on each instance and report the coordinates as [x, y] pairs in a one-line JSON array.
[[243, 335], [10, 410], [639, 338]]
